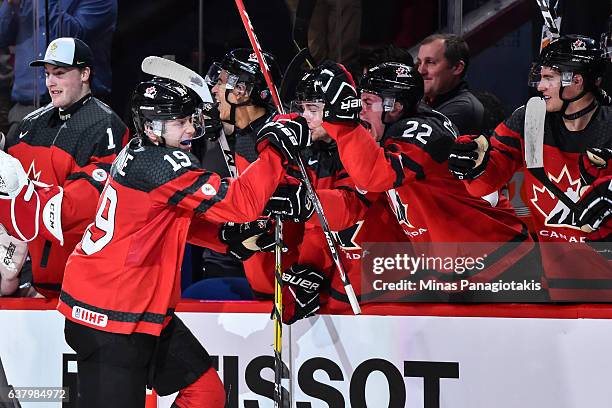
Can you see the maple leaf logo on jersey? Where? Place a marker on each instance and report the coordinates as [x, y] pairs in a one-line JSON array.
[[578, 45], [32, 173], [557, 214], [150, 92]]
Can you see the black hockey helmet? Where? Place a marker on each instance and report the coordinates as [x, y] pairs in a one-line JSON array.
[[161, 99], [394, 81], [242, 65], [572, 54], [305, 89]]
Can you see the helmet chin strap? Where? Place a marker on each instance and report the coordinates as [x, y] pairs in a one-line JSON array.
[[581, 112], [233, 106]]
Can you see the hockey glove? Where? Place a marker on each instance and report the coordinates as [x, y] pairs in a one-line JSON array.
[[212, 121], [342, 103], [12, 176], [287, 133], [13, 254], [301, 287], [597, 204], [594, 164], [243, 240], [292, 202], [469, 156]]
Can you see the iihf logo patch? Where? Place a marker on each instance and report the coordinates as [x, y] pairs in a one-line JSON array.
[[578, 45], [150, 92], [99, 175], [208, 190], [253, 57], [402, 72]]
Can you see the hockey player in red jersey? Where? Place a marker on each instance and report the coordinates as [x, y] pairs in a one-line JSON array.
[[245, 102], [411, 167], [69, 143], [123, 280], [354, 217], [577, 131]]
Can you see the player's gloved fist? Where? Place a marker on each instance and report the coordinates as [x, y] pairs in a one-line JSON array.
[[292, 202], [596, 202], [594, 164], [12, 176], [469, 156], [301, 287], [243, 240], [212, 121], [342, 103], [287, 133]]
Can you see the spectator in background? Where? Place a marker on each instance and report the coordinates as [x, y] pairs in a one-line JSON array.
[[442, 61], [6, 80], [69, 143], [90, 20], [335, 31]]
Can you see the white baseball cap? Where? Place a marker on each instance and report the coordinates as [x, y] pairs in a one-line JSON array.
[[66, 52]]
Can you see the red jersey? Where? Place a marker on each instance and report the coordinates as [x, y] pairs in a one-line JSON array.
[[75, 152], [571, 270], [429, 203], [124, 276]]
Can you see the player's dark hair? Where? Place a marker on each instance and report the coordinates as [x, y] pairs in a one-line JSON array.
[[455, 49]]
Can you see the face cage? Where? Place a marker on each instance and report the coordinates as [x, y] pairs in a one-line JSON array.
[[535, 76]]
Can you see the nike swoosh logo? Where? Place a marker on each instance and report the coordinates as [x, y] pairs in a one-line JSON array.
[[311, 162], [22, 134]]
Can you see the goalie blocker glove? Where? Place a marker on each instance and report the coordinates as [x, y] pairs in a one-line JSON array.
[[342, 103], [469, 156], [301, 288], [286, 133], [292, 202], [243, 240]]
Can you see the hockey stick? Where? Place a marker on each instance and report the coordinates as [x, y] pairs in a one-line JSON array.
[[331, 243], [535, 116], [549, 19], [166, 68]]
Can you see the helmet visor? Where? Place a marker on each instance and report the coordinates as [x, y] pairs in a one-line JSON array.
[[311, 110]]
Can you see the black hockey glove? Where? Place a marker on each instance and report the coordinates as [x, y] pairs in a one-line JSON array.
[[212, 122], [287, 133], [301, 287], [594, 164], [291, 202], [596, 202], [342, 103], [243, 240], [469, 156]]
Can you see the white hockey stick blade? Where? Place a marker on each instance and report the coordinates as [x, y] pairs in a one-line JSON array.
[[166, 68], [535, 115]]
